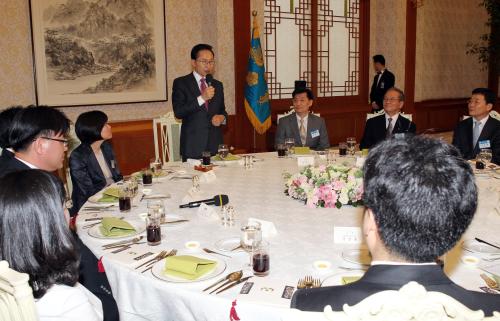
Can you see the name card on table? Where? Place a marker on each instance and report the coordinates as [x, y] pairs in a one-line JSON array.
[[207, 211], [303, 161], [275, 292], [268, 228], [347, 235], [208, 177]]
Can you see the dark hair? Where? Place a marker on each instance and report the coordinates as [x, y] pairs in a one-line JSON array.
[[34, 235], [301, 90], [34, 121], [487, 93], [199, 47], [399, 91], [89, 125], [422, 194], [380, 59], [6, 117]]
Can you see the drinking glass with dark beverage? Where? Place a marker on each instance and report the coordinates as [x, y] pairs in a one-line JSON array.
[[261, 258], [281, 148], [124, 199], [147, 177], [205, 158], [153, 227], [223, 151], [342, 149]]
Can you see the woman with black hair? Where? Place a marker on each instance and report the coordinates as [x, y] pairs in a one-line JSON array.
[[35, 239], [92, 164]]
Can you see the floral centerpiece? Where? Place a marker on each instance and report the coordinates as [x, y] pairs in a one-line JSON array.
[[326, 186]]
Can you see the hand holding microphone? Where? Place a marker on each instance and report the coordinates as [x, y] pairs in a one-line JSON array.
[[217, 200], [209, 92]]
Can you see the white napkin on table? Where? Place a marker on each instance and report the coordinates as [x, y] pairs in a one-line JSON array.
[[267, 227]]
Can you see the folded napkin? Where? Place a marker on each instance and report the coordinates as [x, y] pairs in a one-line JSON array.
[[302, 150], [110, 195], [188, 267], [112, 226], [229, 157]]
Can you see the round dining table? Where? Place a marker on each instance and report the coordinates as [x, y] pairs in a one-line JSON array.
[[298, 236]]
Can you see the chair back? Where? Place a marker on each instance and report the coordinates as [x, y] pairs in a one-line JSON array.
[[16, 296], [411, 302], [382, 112], [493, 114], [292, 111], [168, 143]]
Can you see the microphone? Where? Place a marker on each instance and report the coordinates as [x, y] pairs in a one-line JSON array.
[[217, 200], [209, 78]]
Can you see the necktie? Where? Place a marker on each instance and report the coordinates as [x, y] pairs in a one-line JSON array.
[[302, 131], [203, 86], [475, 133], [388, 132]]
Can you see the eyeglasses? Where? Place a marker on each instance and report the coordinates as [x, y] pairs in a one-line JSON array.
[[391, 99], [64, 141], [207, 62]]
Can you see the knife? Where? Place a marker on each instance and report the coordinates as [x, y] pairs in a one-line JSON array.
[[171, 222], [482, 241], [236, 283]]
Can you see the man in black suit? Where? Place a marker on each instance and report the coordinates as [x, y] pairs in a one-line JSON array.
[[420, 197], [37, 136], [381, 127], [6, 117], [383, 80], [198, 100], [480, 130]]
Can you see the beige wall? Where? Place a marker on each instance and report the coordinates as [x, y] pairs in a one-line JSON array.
[[443, 70], [188, 23], [388, 36]]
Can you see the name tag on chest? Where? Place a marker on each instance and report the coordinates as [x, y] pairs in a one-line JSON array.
[[484, 144], [315, 133]]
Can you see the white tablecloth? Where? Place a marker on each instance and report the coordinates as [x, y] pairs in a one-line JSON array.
[[304, 235]]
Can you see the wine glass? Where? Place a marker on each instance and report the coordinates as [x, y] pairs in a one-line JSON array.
[[351, 145], [223, 151], [251, 235], [485, 154]]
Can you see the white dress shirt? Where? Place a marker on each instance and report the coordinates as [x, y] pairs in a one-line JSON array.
[[380, 76], [481, 126], [400, 263], [26, 163]]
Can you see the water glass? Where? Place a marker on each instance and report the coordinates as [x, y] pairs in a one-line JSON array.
[[155, 166], [251, 234], [485, 155], [261, 258], [351, 145], [290, 144], [223, 151], [159, 206]]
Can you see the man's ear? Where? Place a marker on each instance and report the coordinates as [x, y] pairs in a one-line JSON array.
[[39, 145], [369, 223]]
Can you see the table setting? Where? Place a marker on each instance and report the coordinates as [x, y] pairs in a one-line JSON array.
[[172, 276]]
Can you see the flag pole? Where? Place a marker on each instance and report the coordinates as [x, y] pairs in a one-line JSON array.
[[254, 14]]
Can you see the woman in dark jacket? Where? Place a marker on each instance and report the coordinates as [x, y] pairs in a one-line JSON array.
[[92, 164]]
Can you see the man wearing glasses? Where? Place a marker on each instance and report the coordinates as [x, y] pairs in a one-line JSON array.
[[384, 126], [480, 131], [198, 100]]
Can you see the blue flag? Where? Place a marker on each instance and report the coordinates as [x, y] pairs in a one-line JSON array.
[[256, 93]]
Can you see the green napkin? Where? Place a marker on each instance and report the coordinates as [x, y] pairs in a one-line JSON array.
[[350, 279], [229, 157], [302, 150], [188, 267], [112, 226], [110, 195]]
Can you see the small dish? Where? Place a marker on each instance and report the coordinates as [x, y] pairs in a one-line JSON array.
[[192, 245], [470, 260], [322, 266], [146, 191]]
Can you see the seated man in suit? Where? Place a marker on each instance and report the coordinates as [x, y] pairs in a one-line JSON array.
[[381, 127], [411, 218], [383, 80], [37, 136], [307, 129], [6, 117], [479, 131]]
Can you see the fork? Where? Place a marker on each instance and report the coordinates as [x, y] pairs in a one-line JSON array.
[[301, 284], [150, 266], [308, 280], [162, 253], [316, 283], [213, 252]]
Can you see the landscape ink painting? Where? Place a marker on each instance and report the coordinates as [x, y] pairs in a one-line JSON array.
[[98, 51]]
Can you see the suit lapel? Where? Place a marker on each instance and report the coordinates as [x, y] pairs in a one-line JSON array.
[[295, 128]]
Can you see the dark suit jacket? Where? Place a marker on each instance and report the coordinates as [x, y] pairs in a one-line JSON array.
[[375, 129], [6, 154], [89, 277], [197, 132], [392, 277], [9, 164], [462, 138], [377, 92], [289, 128], [86, 174]]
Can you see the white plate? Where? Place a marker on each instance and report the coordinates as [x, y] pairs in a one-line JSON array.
[[95, 231], [357, 256], [159, 266], [336, 279], [477, 247], [226, 245]]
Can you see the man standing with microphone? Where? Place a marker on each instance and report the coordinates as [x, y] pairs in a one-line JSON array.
[[198, 99]]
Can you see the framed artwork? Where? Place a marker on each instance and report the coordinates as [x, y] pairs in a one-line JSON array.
[[92, 52]]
